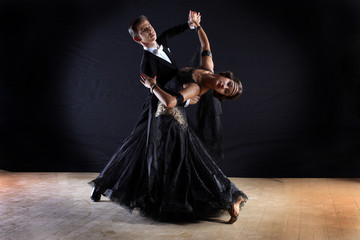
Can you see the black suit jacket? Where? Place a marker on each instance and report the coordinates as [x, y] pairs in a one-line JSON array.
[[152, 65]]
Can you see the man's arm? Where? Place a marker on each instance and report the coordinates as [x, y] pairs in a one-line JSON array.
[[172, 32], [191, 24]]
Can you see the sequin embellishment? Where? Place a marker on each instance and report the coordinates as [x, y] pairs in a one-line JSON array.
[[175, 112]]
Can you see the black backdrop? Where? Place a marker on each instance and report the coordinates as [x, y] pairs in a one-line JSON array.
[[70, 92]]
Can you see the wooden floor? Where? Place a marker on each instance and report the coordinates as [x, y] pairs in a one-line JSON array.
[[57, 206]]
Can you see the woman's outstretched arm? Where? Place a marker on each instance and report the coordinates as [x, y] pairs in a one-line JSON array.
[[191, 91]]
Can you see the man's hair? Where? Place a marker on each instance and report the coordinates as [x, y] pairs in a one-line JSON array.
[[133, 31], [230, 75]]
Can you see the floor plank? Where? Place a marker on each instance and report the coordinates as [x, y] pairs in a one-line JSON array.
[[57, 206]]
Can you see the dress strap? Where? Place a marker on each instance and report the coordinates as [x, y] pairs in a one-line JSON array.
[[206, 69]]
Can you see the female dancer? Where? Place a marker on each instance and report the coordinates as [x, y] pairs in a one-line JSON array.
[[174, 177]]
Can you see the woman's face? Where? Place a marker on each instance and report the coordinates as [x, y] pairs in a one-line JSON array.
[[226, 86]]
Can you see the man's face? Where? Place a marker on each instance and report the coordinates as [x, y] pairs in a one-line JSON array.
[[146, 32]]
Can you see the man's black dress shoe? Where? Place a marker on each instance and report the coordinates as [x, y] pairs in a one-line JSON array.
[[95, 195]]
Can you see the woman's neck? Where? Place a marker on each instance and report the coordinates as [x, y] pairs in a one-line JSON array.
[[205, 79]]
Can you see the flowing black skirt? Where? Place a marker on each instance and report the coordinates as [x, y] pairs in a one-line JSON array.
[[166, 171]]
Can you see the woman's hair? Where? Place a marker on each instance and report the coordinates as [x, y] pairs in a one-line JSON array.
[[230, 75], [133, 31]]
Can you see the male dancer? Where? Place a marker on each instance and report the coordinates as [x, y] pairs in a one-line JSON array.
[[156, 61]]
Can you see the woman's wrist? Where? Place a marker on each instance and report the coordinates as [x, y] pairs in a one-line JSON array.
[[152, 88], [198, 27]]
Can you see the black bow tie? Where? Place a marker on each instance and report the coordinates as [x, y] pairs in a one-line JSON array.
[[159, 48]]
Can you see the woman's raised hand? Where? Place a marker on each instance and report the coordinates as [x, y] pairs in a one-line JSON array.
[[147, 81]]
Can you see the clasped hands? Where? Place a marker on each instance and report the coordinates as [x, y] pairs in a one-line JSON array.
[[194, 19]]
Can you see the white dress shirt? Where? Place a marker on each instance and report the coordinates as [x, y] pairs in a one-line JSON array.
[[158, 52]]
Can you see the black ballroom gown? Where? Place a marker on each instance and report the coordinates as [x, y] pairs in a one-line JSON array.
[[164, 169]]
